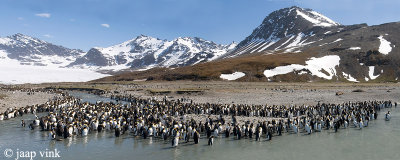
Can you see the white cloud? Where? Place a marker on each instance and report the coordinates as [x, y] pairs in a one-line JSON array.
[[105, 25], [72, 20], [20, 18], [44, 15], [48, 36]]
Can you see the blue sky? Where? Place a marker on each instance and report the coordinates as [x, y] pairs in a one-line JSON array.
[[84, 24]]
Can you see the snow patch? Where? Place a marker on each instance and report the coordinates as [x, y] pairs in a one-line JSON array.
[[384, 48], [337, 40], [355, 48], [325, 18], [318, 20], [371, 73], [268, 45], [317, 66], [12, 72], [5, 41], [349, 77], [287, 41], [331, 42], [297, 43], [233, 76], [302, 72]]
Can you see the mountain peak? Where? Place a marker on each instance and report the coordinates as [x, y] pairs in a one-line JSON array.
[[143, 36], [314, 17], [25, 39], [19, 35], [285, 22]]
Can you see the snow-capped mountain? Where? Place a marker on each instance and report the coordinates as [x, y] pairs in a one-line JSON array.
[[32, 51], [24, 59], [296, 44], [144, 52], [361, 51], [284, 28]]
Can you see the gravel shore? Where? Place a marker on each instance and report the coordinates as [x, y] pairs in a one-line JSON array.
[[18, 99], [266, 93], [227, 92]]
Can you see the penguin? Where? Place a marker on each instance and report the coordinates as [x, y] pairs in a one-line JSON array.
[[36, 122], [269, 135], [31, 126], [196, 137], [70, 130], [52, 135], [258, 134], [336, 126], [227, 131], [215, 132], [66, 133], [22, 123], [355, 123], [346, 124], [85, 131], [319, 127], [251, 133], [176, 139], [210, 140], [308, 129], [150, 131], [239, 133], [165, 134], [145, 133], [387, 116], [295, 129]]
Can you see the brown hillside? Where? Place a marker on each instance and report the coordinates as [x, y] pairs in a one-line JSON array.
[[253, 65]]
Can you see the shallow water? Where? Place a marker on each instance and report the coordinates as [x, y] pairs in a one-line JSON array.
[[381, 140]]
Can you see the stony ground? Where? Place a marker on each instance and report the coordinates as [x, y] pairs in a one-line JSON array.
[[265, 93], [226, 92], [20, 99]]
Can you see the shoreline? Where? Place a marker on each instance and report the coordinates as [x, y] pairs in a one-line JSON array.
[[19, 99]]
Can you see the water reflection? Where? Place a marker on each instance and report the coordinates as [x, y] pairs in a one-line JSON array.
[[177, 153], [150, 140], [118, 141], [85, 140], [68, 142]]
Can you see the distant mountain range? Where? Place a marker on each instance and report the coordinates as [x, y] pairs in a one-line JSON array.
[[142, 52], [146, 52], [33, 51], [291, 44]]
